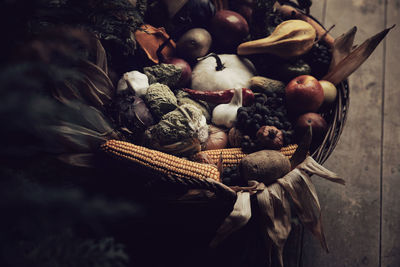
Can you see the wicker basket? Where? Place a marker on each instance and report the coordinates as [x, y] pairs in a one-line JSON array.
[[188, 211], [336, 117]]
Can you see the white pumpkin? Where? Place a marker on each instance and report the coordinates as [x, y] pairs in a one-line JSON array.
[[220, 72]]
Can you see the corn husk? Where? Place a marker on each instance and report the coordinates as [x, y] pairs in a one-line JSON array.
[[342, 47], [275, 210], [298, 184], [93, 87], [311, 166], [77, 140], [238, 218], [301, 152], [350, 63]]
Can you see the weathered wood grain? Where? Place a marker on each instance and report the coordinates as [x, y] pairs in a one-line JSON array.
[[318, 10], [351, 214], [390, 256]]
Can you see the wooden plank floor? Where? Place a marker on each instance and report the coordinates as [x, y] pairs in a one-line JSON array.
[[362, 219]]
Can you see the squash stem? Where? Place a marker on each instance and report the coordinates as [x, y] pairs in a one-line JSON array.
[[220, 66]]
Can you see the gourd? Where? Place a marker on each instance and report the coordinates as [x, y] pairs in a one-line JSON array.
[[291, 38], [220, 72], [259, 84]]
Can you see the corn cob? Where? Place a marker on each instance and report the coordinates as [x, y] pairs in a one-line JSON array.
[[160, 162], [289, 150], [232, 156]]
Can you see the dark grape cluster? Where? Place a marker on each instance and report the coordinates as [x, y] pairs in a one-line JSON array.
[[319, 59], [231, 177], [269, 110]]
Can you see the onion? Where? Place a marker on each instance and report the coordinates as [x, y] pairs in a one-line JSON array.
[[235, 137], [142, 113], [217, 138]]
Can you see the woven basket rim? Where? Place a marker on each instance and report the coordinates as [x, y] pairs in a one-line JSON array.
[[338, 116]]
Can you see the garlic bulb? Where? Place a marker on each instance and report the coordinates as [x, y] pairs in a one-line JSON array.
[[134, 80], [225, 114]]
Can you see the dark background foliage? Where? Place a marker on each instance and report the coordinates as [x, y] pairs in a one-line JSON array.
[[53, 214]]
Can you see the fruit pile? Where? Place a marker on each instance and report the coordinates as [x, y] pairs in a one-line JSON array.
[[239, 80]]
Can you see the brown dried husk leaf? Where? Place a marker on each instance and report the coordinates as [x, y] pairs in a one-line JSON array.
[[86, 135], [301, 152], [354, 60], [342, 47], [275, 210], [150, 39], [94, 87], [101, 57], [78, 140], [238, 218], [311, 166], [298, 184], [273, 202]]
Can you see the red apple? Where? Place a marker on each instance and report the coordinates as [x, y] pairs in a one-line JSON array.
[[229, 28], [304, 94], [318, 125]]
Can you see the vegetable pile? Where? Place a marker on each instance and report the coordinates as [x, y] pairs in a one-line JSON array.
[[197, 91], [224, 74]]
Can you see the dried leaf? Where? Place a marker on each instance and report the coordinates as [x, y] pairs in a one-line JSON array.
[[238, 218], [342, 47], [354, 60], [302, 150], [93, 88], [275, 210], [298, 184], [85, 160], [311, 166], [101, 57], [76, 141], [151, 38], [76, 138], [100, 89]]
